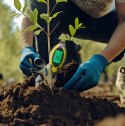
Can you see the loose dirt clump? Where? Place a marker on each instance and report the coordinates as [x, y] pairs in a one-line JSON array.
[[23, 104], [66, 73]]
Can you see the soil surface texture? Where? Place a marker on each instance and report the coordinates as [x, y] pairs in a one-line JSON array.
[[23, 104], [66, 73]]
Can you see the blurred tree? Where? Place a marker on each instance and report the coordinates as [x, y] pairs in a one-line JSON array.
[[5, 21], [9, 44]]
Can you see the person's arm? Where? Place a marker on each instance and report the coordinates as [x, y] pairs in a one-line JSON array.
[[27, 37], [28, 52], [88, 73], [117, 41]]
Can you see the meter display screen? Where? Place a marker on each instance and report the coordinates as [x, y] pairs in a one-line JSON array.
[[58, 56]]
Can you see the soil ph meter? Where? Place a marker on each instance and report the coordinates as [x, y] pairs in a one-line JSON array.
[[57, 57]]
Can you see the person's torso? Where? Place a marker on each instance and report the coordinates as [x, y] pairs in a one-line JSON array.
[[95, 8]]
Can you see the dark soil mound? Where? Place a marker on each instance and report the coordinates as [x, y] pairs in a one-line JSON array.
[[23, 104], [66, 73]]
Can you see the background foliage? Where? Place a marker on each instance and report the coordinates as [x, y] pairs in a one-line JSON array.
[[9, 45]]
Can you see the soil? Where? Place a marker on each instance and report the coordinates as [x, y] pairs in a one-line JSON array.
[[66, 73], [23, 104], [27, 105]]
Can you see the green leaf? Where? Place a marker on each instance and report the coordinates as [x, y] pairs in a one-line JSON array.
[[50, 18], [76, 23], [30, 15], [14, 14], [35, 15], [30, 28], [25, 7], [80, 25], [59, 1], [72, 30], [38, 32], [56, 14], [45, 17], [17, 4], [43, 1]]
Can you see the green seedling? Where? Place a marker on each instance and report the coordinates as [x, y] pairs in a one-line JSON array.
[[48, 17], [33, 16], [73, 29]]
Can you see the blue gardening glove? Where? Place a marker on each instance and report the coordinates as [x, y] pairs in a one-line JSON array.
[[88, 74], [25, 64]]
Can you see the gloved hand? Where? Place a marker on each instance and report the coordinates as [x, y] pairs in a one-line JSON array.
[[88, 74], [25, 65]]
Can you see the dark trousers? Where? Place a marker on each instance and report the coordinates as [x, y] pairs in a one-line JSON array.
[[99, 30]]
